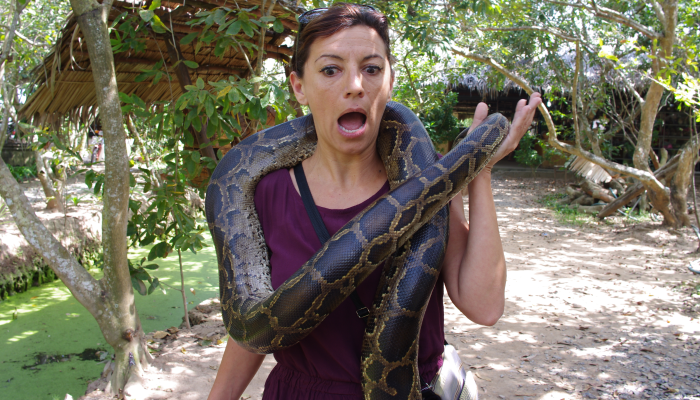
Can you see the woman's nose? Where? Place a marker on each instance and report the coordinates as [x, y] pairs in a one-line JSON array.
[[354, 85]]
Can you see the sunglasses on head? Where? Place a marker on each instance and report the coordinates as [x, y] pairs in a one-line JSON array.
[[310, 15]]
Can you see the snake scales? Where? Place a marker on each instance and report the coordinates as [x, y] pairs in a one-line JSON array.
[[406, 227]]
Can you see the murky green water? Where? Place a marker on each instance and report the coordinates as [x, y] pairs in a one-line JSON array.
[[54, 345]]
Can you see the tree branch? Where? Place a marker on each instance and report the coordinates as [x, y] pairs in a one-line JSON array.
[[15, 10], [26, 39], [611, 15], [574, 95], [76, 278], [556, 32], [631, 88], [659, 12], [644, 176]]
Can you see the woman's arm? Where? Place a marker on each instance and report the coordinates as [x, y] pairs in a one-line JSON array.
[[237, 369], [474, 267]]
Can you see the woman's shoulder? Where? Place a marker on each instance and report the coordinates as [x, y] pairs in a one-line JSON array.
[[272, 190], [273, 181]]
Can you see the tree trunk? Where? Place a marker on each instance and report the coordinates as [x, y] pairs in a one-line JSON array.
[[681, 180], [121, 327], [56, 179], [659, 196], [53, 199], [111, 300], [584, 123]]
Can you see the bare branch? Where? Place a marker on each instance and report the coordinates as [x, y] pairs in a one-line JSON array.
[[556, 32], [611, 15], [574, 95], [631, 88], [26, 39], [659, 12], [15, 10], [84, 287]]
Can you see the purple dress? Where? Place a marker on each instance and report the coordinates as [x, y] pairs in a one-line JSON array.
[[326, 364]]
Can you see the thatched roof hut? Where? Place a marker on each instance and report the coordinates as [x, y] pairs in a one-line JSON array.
[[65, 82]]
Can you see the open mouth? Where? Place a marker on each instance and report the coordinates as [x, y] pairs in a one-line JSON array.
[[352, 122]]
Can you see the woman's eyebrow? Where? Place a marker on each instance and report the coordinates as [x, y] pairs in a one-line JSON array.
[[372, 56], [337, 57]]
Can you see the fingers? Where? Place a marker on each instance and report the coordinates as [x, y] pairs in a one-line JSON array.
[[525, 110], [480, 114], [535, 100], [524, 113]]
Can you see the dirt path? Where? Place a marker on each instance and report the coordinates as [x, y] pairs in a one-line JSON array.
[[598, 311]]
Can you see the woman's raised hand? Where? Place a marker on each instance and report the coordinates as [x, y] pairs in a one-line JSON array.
[[524, 113]]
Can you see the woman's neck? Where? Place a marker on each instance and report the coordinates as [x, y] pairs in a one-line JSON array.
[[340, 181]]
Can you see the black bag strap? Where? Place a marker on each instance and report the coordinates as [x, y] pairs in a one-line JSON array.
[[321, 230]]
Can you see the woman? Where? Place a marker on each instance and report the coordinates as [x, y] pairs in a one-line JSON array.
[[342, 71]]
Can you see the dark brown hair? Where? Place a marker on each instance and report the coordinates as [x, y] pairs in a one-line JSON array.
[[338, 17]]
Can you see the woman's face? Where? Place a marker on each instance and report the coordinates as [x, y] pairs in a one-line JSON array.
[[347, 83]]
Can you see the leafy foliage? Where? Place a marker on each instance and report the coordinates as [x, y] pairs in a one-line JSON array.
[[21, 173], [140, 275], [162, 213], [526, 154]]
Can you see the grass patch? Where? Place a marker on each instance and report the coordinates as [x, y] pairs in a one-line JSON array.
[[571, 216], [565, 214]]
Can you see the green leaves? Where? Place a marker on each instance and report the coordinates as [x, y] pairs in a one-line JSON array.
[[526, 153], [234, 28], [96, 179], [188, 38], [277, 26], [149, 15], [146, 15], [140, 275], [156, 72], [605, 54], [191, 64], [160, 250]]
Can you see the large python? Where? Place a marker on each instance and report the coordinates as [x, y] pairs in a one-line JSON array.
[[406, 227]]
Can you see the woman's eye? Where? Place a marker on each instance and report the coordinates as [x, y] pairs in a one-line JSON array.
[[329, 71], [373, 69]]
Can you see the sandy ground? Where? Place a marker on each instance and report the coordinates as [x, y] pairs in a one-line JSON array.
[[600, 311]]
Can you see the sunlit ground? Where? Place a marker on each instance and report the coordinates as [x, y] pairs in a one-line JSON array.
[[597, 311]]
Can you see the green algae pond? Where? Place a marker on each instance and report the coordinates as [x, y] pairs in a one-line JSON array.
[[54, 346]]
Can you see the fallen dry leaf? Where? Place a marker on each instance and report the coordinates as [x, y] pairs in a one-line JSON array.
[[160, 334]]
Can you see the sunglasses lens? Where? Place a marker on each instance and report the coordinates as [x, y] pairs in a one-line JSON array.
[[308, 16]]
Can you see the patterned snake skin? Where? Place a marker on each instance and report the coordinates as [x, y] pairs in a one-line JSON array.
[[406, 227]]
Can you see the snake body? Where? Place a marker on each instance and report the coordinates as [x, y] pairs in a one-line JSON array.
[[406, 227]]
